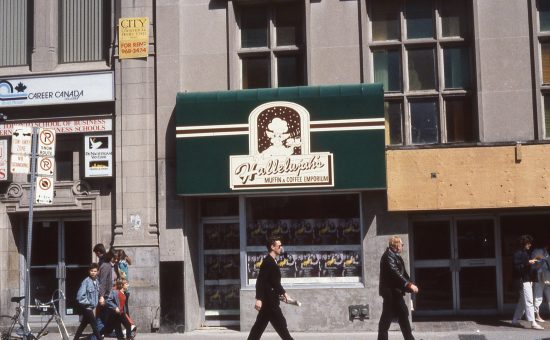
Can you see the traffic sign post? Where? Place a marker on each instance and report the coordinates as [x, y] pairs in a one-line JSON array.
[[27, 143]]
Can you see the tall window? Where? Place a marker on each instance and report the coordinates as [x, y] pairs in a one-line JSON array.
[[271, 45], [84, 26], [543, 33], [421, 51], [14, 31]]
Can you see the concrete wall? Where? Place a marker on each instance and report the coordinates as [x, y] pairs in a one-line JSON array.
[[468, 178], [504, 70]]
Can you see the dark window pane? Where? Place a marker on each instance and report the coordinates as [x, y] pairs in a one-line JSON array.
[[478, 288], [219, 206], [422, 69], [44, 243], [289, 71], [419, 19], [545, 54], [432, 240], [476, 239], [394, 117], [547, 115], [460, 120], [436, 288], [544, 15], [385, 20], [387, 69], [288, 24], [254, 27], [64, 165], [78, 234], [255, 72], [457, 67], [424, 122], [453, 18]]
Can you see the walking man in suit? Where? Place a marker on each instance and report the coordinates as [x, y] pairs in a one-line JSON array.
[[268, 293], [394, 282]]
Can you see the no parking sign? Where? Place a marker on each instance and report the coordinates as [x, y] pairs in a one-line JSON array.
[[44, 190]]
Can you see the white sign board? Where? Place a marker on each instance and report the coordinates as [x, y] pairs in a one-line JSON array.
[[3, 159], [57, 89], [21, 140], [46, 142], [62, 126], [45, 166], [44, 190], [98, 156], [279, 152], [20, 164]]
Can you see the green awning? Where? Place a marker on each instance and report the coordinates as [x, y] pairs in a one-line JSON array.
[[284, 139]]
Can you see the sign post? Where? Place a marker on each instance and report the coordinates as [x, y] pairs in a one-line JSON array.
[[42, 142], [29, 233]]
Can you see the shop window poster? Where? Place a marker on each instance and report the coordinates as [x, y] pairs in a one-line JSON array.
[[327, 231], [311, 267], [221, 236], [221, 267], [221, 297]]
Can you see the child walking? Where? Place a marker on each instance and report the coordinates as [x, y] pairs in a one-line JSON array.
[[87, 297]]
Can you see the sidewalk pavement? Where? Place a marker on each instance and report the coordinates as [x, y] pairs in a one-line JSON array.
[[479, 329]]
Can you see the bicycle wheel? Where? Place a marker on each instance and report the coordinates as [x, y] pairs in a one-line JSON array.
[[7, 329]]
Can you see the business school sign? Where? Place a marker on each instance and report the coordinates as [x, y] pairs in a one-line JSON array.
[[61, 126], [55, 90], [280, 155]]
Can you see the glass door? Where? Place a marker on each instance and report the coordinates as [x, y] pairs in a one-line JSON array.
[[220, 272], [61, 255], [455, 266]]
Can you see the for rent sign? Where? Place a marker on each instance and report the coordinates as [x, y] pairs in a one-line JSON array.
[[133, 37]]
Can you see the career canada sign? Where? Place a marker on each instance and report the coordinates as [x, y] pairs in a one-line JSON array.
[[280, 154]]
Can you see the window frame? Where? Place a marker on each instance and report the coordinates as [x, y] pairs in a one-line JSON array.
[[542, 89], [439, 43], [238, 53]]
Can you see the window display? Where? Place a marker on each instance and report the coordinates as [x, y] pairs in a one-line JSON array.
[[321, 236]]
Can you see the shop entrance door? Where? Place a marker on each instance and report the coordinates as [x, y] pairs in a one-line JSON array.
[[220, 272], [455, 266], [61, 255]]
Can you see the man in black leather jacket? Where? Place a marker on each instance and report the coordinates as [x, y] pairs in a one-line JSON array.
[[394, 282], [268, 292]]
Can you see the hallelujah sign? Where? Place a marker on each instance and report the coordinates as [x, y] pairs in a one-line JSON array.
[[279, 150]]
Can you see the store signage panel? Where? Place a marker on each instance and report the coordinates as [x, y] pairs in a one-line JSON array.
[[98, 156], [280, 156], [299, 138], [133, 37], [55, 90], [62, 126], [3, 159]]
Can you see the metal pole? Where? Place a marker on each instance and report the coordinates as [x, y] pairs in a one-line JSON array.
[[34, 147]]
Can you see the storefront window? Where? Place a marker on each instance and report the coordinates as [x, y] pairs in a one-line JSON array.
[[321, 236]]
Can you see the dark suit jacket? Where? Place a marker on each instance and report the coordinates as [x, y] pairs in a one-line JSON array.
[[268, 285], [393, 275]]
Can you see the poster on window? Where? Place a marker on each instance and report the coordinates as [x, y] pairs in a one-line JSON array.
[[213, 297], [312, 266], [231, 296], [229, 267], [302, 232], [98, 156]]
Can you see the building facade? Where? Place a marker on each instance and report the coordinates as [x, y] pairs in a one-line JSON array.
[[431, 114]]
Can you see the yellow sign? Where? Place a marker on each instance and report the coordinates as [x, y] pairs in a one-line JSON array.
[[133, 37]]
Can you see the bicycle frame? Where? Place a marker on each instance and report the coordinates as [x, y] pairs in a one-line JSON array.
[[26, 333]]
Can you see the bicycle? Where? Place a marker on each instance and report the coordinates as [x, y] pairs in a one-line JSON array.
[[11, 327]]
